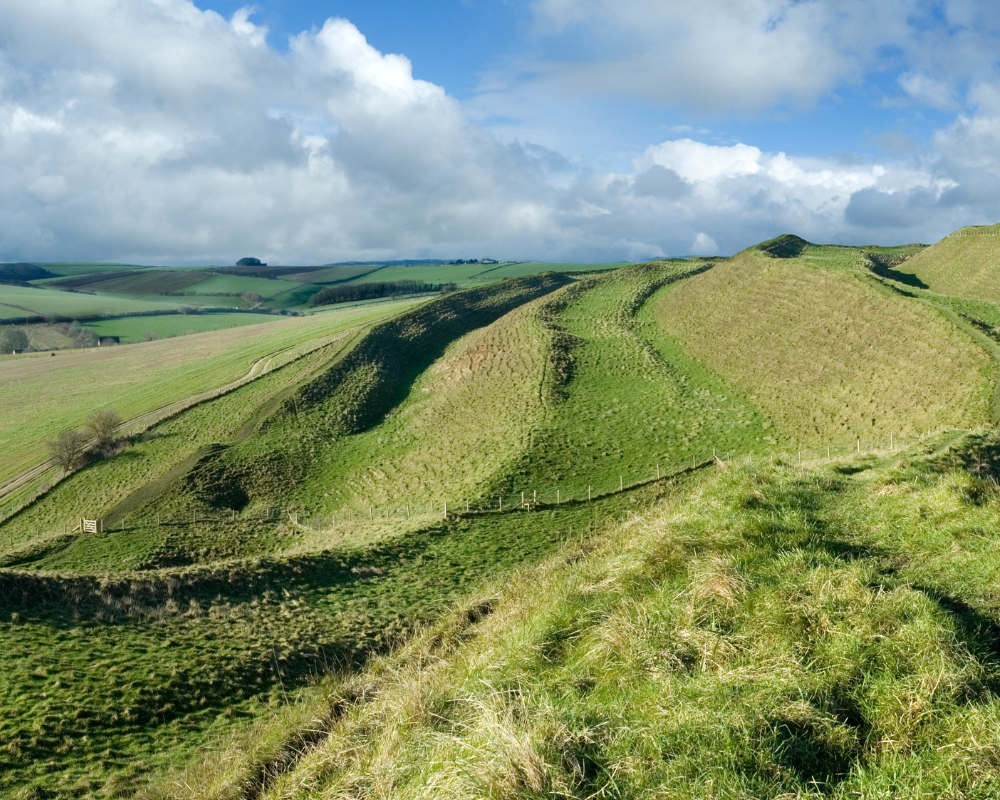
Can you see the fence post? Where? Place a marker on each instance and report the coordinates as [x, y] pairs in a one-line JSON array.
[[558, 497], [621, 483], [371, 513], [657, 470], [522, 501], [501, 502], [588, 493], [446, 509]]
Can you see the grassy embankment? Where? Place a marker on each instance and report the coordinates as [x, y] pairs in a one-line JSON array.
[[766, 630], [317, 599], [823, 354], [963, 264], [45, 394]]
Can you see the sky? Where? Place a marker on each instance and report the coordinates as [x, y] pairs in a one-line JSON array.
[[316, 131]]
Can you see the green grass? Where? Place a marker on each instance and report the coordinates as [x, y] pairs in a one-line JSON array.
[[826, 356], [45, 394], [127, 695], [72, 269], [135, 329], [331, 274], [630, 398], [378, 427], [462, 274], [500, 271], [239, 283], [963, 264], [766, 631], [146, 282], [16, 300], [748, 630]]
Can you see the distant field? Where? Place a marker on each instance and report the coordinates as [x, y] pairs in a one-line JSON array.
[[496, 272], [45, 395], [15, 300], [74, 268], [152, 281], [823, 355], [134, 329], [330, 274], [462, 274], [238, 283], [297, 297]]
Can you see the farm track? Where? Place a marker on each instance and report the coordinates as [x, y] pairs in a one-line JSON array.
[[143, 422]]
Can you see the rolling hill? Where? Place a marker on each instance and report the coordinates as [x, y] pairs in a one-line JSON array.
[[580, 535], [965, 263]]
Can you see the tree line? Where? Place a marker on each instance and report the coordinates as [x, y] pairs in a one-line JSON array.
[[351, 292]]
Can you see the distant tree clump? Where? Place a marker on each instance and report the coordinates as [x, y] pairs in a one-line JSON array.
[[13, 340], [350, 292], [67, 447], [102, 425], [250, 262]]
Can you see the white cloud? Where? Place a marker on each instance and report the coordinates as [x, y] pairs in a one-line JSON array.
[[704, 245], [153, 131]]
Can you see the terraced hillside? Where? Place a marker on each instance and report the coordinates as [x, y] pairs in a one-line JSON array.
[[698, 635], [964, 264], [824, 355]]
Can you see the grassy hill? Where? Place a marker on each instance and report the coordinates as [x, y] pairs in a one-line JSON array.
[[760, 631], [826, 356], [276, 569], [965, 263], [44, 394]]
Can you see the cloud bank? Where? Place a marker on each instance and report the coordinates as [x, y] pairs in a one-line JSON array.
[[154, 131]]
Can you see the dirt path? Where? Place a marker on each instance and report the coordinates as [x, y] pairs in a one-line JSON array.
[[143, 422]]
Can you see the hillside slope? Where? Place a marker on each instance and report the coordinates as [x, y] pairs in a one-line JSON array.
[[825, 355], [763, 631], [965, 263]]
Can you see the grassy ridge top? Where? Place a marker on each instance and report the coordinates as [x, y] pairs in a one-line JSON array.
[[824, 355], [964, 264], [765, 631]]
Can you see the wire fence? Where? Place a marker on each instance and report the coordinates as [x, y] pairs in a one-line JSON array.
[[508, 502]]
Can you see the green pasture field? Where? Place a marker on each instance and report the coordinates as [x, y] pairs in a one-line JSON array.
[[766, 631], [148, 282], [238, 283], [331, 274], [963, 264], [134, 329], [70, 269], [46, 395], [39, 301], [747, 629], [297, 297], [462, 274]]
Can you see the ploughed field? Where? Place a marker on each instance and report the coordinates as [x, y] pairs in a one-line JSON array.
[[736, 610]]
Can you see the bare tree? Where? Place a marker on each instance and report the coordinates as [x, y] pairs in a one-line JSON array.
[[67, 448], [102, 424]]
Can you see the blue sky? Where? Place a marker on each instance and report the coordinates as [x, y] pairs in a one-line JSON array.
[[172, 131]]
